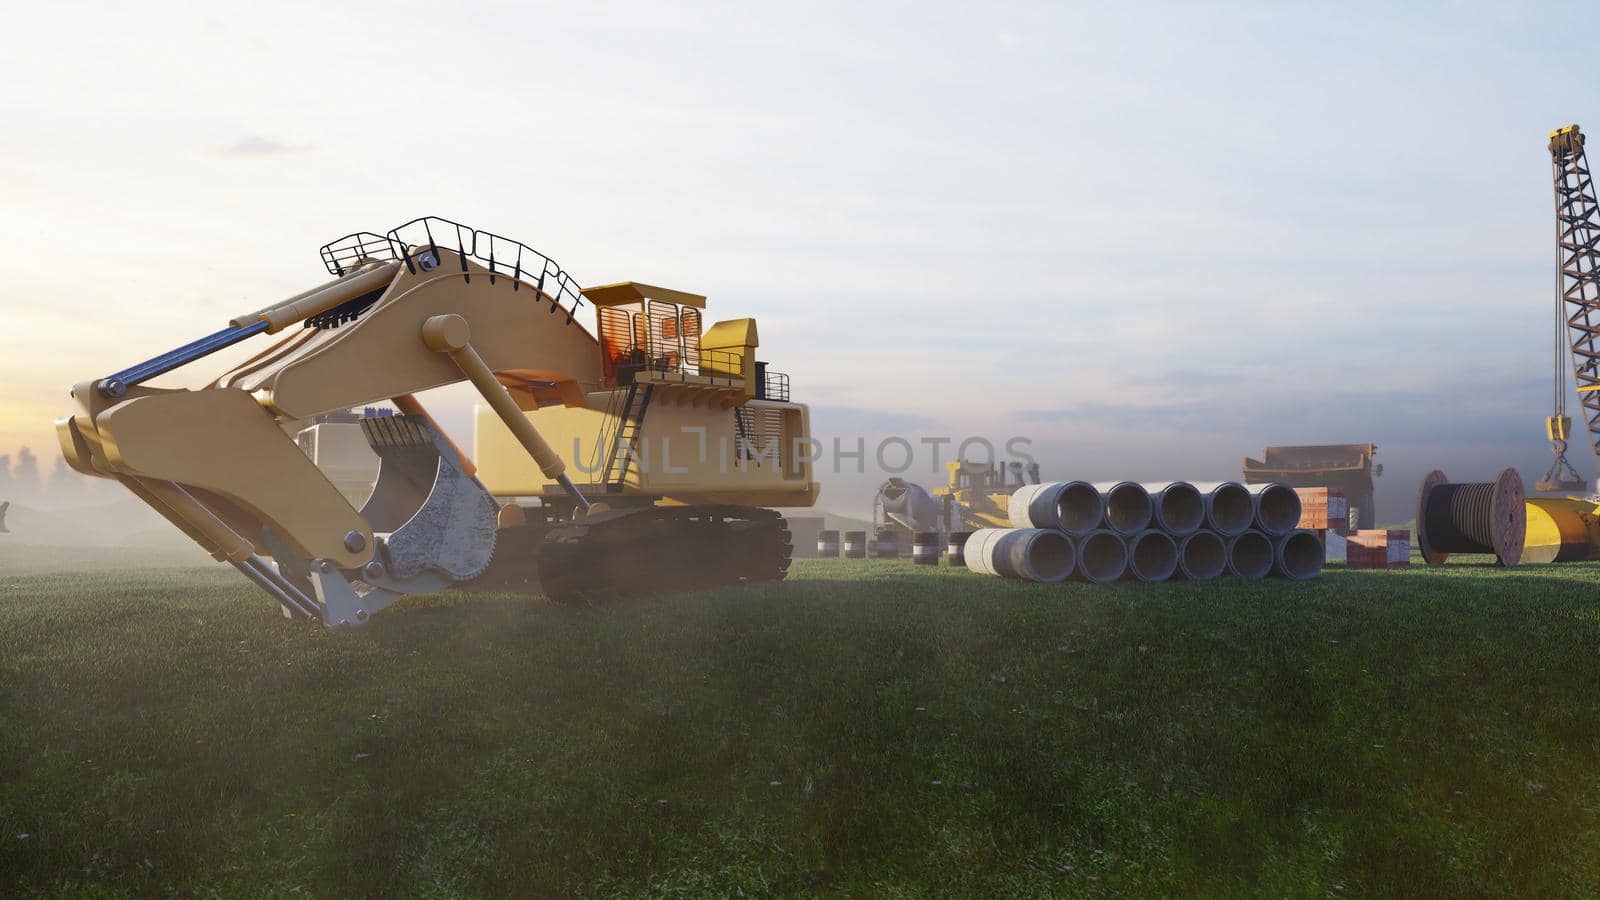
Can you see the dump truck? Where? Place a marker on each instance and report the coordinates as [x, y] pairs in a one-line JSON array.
[[1345, 466], [638, 459]]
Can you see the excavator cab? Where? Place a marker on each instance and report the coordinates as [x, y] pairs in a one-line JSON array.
[[645, 328]]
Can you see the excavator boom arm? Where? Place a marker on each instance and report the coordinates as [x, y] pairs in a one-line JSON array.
[[219, 464]]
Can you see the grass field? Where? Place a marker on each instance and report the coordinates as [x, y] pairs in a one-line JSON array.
[[863, 728]]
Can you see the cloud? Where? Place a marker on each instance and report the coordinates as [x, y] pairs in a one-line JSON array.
[[1395, 416], [255, 146]]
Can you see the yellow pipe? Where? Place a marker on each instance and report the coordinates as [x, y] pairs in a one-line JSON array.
[[1561, 529], [322, 298], [450, 334], [203, 526]]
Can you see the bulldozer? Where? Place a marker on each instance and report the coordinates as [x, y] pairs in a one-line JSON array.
[[977, 493], [636, 460]]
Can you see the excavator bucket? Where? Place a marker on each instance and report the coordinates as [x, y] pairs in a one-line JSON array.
[[431, 517]]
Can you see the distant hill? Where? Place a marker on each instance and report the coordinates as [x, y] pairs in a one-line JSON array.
[[830, 520]]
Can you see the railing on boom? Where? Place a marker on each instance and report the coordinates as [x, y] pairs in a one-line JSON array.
[[417, 243]]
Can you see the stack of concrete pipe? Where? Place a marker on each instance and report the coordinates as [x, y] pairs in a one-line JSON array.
[[1148, 532]]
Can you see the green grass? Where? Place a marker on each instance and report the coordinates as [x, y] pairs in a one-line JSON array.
[[863, 728]]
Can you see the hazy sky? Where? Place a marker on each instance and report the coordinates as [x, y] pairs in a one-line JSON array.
[[1150, 237]]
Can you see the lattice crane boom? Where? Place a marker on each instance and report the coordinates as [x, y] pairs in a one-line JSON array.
[[1577, 300]]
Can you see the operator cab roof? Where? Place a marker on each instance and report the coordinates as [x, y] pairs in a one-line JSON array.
[[625, 292]]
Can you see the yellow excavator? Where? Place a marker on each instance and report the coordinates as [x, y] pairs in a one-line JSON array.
[[641, 459]]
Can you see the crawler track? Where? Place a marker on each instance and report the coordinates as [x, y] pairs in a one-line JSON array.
[[622, 554]]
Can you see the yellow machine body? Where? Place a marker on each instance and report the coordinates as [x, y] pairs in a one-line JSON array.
[[1561, 529], [685, 452], [976, 495]]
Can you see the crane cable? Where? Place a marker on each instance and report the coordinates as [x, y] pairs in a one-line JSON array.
[[1561, 318]]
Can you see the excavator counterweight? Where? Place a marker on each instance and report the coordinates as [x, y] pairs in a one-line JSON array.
[[432, 303]]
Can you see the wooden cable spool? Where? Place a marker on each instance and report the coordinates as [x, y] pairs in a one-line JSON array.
[[1472, 517]]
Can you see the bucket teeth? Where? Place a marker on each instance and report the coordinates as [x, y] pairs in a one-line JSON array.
[[396, 433]]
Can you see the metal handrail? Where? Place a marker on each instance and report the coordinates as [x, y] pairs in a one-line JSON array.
[[775, 385], [416, 243]]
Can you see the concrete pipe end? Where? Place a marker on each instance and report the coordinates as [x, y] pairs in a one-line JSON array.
[[1277, 508], [1230, 508], [1102, 557], [1152, 556], [1299, 555], [1202, 556], [1250, 555]]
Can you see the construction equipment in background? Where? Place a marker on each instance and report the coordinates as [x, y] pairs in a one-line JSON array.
[[1349, 467], [902, 509], [337, 444], [976, 494], [1577, 317], [637, 463], [1498, 518]]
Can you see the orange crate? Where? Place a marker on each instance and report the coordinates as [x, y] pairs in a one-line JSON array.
[[1378, 548], [1323, 508]]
